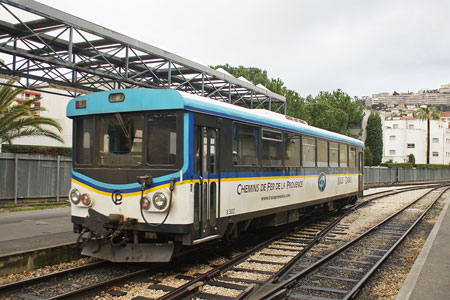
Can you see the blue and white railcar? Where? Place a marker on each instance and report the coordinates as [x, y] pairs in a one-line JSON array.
[[158, 170]]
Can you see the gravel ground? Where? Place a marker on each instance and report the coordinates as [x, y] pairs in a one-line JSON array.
[[215, 290], [247, 275], [46, 270], [368, 216]]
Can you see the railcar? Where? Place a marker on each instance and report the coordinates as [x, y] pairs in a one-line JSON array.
[[158, 170]]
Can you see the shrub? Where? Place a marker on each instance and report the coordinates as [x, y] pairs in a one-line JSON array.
[[46, 150], [432, 166], [397, 165]]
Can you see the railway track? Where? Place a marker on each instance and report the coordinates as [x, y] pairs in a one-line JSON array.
[[342, 273], [72, 282], [234, 279]]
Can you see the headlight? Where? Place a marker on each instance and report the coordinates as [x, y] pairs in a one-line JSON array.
[[145, 202], [86, 200], [75, 196], [160, 200]]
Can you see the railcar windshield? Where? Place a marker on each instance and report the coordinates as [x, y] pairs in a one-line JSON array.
[[136, 139], [162, 139], [120, 140]]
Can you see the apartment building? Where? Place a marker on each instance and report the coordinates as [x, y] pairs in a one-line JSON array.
[[403, 136]]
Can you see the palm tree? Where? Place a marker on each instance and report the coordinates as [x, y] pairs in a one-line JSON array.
[[22, 119], [428, 113]]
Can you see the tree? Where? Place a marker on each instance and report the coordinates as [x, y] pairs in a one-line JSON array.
[[368, 157], [22, 119], [428, 113], [412, 159], [340, 110], [325, 116], [374, 139]]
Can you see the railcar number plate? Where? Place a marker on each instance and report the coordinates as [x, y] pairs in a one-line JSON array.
[[231, 211]]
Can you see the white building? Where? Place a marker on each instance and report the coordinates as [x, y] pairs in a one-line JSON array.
[[403, 136]]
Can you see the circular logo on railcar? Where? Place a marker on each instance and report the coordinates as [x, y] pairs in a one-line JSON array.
[[322, 183], [117, 197]]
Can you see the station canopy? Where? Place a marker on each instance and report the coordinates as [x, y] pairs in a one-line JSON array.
[[42, 46]]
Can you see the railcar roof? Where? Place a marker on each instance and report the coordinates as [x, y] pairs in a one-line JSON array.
[[165, 99]]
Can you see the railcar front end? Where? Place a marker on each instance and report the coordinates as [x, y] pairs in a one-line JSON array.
[[130, 201]]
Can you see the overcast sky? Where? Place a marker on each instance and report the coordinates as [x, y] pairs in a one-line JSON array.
[[362, 47]]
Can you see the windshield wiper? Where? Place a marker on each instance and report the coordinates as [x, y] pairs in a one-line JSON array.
[[122, 125]]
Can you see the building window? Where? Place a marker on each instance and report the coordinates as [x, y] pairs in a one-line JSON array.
[[411, 145], [392, 138], [391, 152], [411, 126], [395, 126], [435, 140], [435, 154]]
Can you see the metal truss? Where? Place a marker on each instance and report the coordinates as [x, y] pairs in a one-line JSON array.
[[40, 45]]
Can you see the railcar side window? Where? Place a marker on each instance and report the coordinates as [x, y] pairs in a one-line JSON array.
[[322, 153], [162, 139], [343, 156], [271, 148], [334, 154], [308, 152], [352, 157], [120, 141], [84, 137], [292, 150], [245, 145]]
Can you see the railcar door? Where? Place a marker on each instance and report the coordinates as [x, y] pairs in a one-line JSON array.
[[206, 190]]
